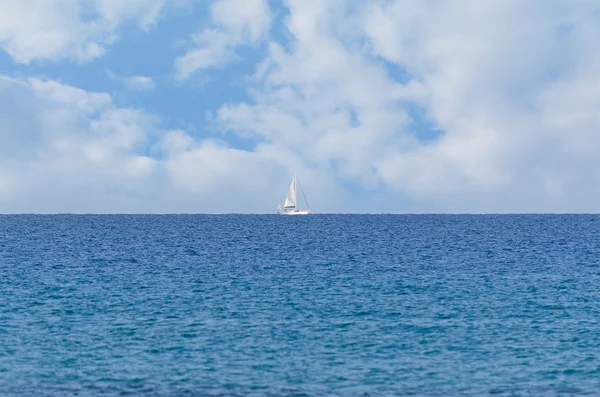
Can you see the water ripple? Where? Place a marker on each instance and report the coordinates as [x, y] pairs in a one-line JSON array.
[[324, 305]]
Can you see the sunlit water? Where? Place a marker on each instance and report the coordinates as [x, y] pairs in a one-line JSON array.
[[322, 305]]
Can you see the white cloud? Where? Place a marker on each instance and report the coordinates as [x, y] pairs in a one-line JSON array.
[[63, 149], [489, 71], [330, 102], [236, 22], [133, 83], [139, 83], [511, 85], [33, 30], [59, 142], [143, 12]]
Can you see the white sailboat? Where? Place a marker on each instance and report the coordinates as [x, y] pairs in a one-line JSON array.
[[290, 207]]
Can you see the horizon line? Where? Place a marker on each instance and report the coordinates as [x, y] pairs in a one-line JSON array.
[[275, 214]]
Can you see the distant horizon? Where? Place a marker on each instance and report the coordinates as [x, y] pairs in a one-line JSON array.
[[312, 213]]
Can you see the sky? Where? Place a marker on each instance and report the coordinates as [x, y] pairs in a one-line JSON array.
[[380, 106]]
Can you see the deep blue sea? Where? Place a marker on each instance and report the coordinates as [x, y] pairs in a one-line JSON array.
[[321, 305]]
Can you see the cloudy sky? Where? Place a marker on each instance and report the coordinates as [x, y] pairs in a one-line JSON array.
[[379, 106]]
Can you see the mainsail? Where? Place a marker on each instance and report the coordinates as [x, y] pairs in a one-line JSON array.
[[290, 200]]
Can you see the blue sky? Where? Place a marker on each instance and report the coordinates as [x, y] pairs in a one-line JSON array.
[[379, 106], [150, 54]]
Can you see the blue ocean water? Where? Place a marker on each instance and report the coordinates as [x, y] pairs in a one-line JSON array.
[[322, 305]]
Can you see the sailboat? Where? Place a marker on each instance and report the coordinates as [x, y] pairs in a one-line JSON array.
[[289, 207]]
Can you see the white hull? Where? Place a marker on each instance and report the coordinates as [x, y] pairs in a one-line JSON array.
[[293, 212]]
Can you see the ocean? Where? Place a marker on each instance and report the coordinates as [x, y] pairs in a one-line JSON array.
[[318, 305]]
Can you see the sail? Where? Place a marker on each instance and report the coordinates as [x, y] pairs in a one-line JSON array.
[[290, 200]]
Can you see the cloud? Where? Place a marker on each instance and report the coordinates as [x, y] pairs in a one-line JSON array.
[[33, 30], [326, 98], [139, 83], [507, 89], [56, 138], [490, 71], [386, 106], [235, 23], [133, 83], [63, 149]]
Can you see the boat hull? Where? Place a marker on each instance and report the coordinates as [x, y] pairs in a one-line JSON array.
[[293, 212]]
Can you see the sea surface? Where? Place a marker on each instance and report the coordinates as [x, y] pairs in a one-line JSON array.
[[321, 305]]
